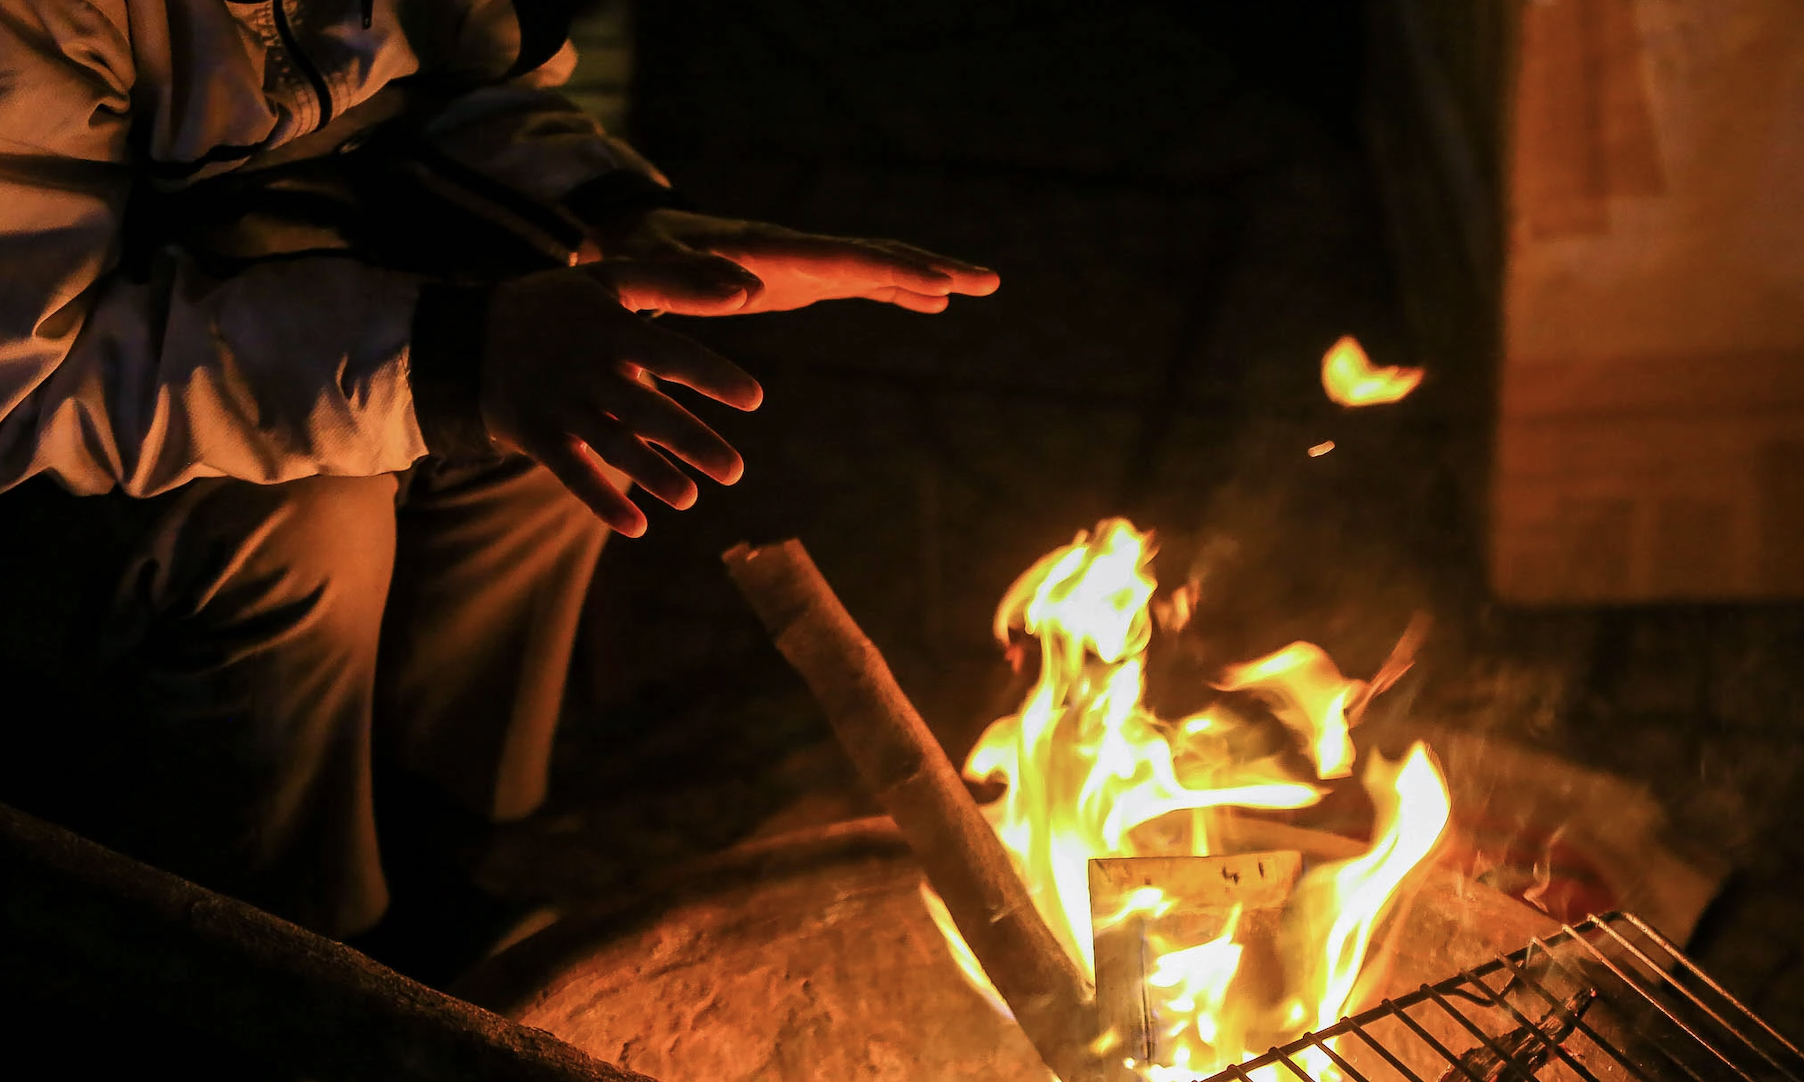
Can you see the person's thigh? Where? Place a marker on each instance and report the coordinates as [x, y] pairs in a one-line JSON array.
[[202, 666]]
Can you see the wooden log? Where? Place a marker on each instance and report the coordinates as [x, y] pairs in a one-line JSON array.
[[906, 769], [75, 916]]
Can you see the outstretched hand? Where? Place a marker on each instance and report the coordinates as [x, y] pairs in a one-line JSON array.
[[783, 269], [571, 372]]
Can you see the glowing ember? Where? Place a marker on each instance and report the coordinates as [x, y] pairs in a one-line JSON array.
[[1321, 449], [1351, 380], [1090, 772]]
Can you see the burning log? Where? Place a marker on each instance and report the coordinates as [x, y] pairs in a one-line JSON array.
[[77, 915], [906, 769]]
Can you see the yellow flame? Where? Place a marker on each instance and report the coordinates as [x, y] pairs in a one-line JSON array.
[[1191, 985], [1089, 772], [1413, 807], [1140, 902], [1308, 694], [1351, 379]]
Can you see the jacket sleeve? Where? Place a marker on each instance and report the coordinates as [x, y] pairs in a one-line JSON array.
[[523, 133], [285, 370]]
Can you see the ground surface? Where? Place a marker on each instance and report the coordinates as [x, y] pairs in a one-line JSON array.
[[1177, 200]]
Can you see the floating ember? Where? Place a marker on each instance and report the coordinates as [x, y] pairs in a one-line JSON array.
[[1092, 773], [1351, 379]]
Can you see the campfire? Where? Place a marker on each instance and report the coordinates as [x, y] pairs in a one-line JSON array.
[[1092, 775], [1108, 869], [1100, 794], [1130, 905], [1141, 897]]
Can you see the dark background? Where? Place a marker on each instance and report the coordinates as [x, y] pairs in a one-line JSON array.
[[1180, 201]]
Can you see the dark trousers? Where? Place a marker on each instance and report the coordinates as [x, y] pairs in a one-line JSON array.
[[217, 680]]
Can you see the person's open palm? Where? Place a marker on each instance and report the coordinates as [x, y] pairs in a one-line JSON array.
[[784, 269]]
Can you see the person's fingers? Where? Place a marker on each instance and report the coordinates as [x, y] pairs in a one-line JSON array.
[[649, 415], [699, 285], [902, 298], [839, 266], [670, 356], [877, 265], [877, 262], [623, 448], [579, 470], [967, 278]]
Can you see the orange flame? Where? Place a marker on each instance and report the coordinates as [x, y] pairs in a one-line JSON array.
[[1350, 378], [1091, 772], [1413, 809]]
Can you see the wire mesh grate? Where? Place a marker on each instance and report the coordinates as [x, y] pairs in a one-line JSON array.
[[1606, 1000]]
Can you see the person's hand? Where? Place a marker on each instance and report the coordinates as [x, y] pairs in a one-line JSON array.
[[568, 379], [569, 372], [791, 269]]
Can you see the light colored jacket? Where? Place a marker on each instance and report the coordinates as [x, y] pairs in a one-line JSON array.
[[286, 368]]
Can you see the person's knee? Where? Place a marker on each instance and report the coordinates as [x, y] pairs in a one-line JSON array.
[[313, 555]]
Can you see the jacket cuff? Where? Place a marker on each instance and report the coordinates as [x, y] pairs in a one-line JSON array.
[[450, 325], [612, 203]]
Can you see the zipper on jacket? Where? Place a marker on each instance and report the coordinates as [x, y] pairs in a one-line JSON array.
[[320, 89]]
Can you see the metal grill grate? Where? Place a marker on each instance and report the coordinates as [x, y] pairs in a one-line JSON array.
[[1606, 1000]]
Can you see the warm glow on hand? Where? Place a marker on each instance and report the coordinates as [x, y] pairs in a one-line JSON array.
[[679, 257]]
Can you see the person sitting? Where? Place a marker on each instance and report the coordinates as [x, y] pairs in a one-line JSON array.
[[325, 371]]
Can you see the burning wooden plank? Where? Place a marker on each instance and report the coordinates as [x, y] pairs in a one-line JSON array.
[[1144, 909]]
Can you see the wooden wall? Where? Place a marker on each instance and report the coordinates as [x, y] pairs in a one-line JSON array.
[[1639, 167]]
